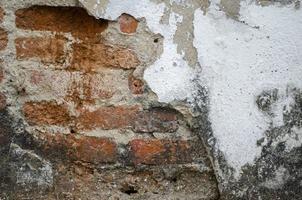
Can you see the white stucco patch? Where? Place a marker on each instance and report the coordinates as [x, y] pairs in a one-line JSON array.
[[170, 76], [241, 59]]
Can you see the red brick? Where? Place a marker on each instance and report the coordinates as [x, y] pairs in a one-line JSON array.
[[46, 49], [128, 24], [3, 39], [156, 120], [108, 118], [2, 101], [159, 152], [46, 113], [135, 85], [78, 147], [93, 150], [94, 55], [73, 20], [2, 13]]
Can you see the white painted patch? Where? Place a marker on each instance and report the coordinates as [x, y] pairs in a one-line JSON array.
[[239, 61], [170, 76]]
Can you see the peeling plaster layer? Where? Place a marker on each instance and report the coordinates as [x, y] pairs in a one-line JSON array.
[[170, 76], [262, 50]]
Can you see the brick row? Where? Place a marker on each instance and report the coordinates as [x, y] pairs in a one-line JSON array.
[[118, 117], [87, 56], [97, 150]]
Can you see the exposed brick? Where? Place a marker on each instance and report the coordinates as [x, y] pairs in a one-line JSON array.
[[47, 49], [135, 85], [3, 39], [2, 13], [156, 120], [2, 101], [159, 152], [46, 113], [93, 55], [128, 24], [60, 19], [94, 150], [78, 147], [108, 118]]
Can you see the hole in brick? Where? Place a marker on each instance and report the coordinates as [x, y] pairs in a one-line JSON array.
[[136, 84], [174, 179], [156, 40], [72, 130], [128, 189]]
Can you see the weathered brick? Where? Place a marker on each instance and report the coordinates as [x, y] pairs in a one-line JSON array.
[[46, 82], [74, 87], [86, 89], [128, 24], [2, 101], [46, 49], [78, 147], [159, 152], [46, 113], [108, 118], [2, 13], [156, 120], [94, 150], [60, 19], [3, 39], [93, 55], [135, 85]]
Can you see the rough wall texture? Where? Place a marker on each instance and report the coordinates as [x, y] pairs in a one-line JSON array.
[[132, 99]]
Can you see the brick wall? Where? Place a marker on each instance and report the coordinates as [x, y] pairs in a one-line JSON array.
[[76, 84]]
